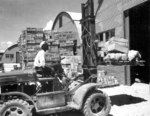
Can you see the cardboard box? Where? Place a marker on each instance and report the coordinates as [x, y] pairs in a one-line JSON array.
[[120, 41], [114, 47]]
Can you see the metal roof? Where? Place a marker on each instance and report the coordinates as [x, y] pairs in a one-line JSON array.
[[74, 15]]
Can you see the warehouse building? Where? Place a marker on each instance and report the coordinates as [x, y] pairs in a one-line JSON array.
[[69, 22], [66, 31], [11, 54], [11, 58], [129, 19], [1, 54]]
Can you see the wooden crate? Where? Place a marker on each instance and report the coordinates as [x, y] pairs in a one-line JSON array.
[[116, 71]]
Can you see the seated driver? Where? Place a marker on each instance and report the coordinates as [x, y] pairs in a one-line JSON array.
[[40, 62]]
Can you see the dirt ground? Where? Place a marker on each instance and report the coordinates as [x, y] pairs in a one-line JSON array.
[[131, 100]]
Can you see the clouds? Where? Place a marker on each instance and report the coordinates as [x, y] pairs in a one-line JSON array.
[[5, 45]]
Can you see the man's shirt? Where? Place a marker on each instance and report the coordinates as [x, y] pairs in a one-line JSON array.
[[39, 60]]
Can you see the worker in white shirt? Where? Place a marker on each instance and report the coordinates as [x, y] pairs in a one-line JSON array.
[[40, 62], [41, 67]]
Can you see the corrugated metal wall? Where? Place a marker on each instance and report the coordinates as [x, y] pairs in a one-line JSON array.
[[110, 15], [127, 4]]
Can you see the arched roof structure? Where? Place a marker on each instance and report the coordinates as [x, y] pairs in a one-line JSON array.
[[12, 50], [68, 21], [11, 47]]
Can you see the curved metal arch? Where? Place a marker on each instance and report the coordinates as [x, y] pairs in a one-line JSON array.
[[74, 18], [59, 16], [11, 47]]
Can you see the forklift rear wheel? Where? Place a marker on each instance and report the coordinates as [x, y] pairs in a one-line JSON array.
[[16, 107], [97, 104]]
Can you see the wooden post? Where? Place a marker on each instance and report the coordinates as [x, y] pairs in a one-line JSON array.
[[127, 75]]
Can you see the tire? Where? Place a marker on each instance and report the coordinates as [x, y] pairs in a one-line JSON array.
[[16, 107], [97, 104]]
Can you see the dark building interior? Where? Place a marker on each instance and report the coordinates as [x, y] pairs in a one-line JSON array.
[[139, 39]]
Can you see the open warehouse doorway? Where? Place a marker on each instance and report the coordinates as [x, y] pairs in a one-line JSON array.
[[137, 31]]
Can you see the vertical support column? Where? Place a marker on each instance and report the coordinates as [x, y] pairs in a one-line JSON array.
[[127, 36], [88, 37], [127, 26], [127, 75], [0, 90], [104, 37]]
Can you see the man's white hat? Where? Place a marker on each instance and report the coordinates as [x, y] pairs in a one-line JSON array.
[[42, 43]]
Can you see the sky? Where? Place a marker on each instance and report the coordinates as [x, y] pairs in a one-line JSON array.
[[17, 15]]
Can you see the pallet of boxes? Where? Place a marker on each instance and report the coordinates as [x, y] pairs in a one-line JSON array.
[[115, 56], [118, 53], [29, 42]]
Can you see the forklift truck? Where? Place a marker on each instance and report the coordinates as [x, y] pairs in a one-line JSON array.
[[77, 94]]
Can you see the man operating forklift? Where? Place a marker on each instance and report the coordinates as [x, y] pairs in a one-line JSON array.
[[40, 61], [41, 67]]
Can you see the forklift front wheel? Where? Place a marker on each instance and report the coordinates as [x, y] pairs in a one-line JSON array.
[[16, 107], [97, 104]]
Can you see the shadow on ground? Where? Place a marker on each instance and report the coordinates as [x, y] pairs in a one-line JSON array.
[[68, 113], [125, 99], [72, 113], [119, 100]]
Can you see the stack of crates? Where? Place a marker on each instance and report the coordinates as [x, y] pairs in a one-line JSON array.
[[28, 43], [52, 55], [60, 44], [66, 42]]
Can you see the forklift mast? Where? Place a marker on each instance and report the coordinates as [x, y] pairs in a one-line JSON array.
[[88, 39]]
